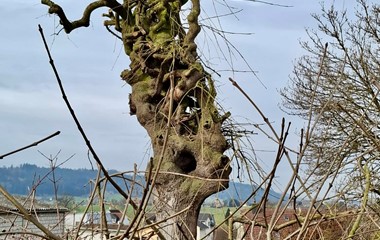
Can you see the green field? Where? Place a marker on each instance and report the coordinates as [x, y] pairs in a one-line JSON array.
[[219, 213]]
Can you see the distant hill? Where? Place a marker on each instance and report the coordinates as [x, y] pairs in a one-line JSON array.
[[20, 180], [241, 191], [75, 182]]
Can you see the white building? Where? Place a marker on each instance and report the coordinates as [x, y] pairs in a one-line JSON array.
[[92, 228], [14, 226], [206, 223]]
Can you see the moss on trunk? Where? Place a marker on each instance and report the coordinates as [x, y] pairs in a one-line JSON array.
[[163, 55], [173, 98]]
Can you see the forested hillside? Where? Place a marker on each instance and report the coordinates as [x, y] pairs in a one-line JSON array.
[[22, 179]]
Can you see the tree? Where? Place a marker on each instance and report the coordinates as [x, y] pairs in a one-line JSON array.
[[173, 98], [336, 88], [66, 201], [228, 213], [233, 203]]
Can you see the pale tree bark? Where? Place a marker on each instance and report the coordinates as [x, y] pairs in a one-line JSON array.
[[173, 98]]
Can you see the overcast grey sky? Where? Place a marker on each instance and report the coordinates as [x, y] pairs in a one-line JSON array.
[[90, 60]]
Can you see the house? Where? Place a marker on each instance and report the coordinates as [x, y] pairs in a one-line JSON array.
[[113, 216], [207, 219], [14, 226], [206, 223], [92, 227], [217, 203]]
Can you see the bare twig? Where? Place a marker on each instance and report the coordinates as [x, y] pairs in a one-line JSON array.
[[79, 126], [270, 3], [26, 214], [84, 136], [23, 232], [85, 20], [31, 145], [363, 207]]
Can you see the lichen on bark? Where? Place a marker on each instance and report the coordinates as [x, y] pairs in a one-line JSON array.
[[173, 98]]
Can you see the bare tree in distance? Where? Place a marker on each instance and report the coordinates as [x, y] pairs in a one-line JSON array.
[[336, 88]]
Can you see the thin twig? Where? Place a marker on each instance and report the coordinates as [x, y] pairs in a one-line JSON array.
[[270, 3], [160, 160], [79, 126], [26, 214], [31, 145], [92, 197], [266, 120], [24, 232], [84, 136]]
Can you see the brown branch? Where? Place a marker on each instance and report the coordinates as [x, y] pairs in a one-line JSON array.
[[152, 181], [31, 145], [84, 136], [91, 199], [113, 33], [328, 217], [85, 20], [271, 3], [280, 152], [26, 214], [194, 29], [192, 18], [24, 233]]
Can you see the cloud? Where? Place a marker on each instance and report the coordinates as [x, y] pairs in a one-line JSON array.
[[32, 115], [90, 61]]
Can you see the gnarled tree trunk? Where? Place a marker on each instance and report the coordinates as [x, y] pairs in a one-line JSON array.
[[173, 98]]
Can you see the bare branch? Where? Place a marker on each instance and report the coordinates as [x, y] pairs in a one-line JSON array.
[[87, 141], [270, 3], [85, 20], [31, 145], [27, 215]]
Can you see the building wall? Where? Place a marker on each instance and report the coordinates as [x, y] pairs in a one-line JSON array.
[[12, 222], [203, 232]]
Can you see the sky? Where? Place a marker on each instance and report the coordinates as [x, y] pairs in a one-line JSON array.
[[90, 60]]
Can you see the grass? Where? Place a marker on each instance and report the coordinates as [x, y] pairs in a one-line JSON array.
[[219, 213]]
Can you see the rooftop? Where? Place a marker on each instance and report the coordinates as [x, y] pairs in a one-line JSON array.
[[31, 204]]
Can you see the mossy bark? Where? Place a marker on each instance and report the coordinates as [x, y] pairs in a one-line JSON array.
[[163, 55], [173, 98]]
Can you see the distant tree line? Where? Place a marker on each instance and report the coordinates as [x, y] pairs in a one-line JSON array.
[[22, 179]]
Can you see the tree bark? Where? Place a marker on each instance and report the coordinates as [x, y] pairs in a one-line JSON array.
[[173, 98]]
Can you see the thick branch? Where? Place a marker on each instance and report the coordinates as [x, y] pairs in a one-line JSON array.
[[192, 18], [85, 20], [194, 29]]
